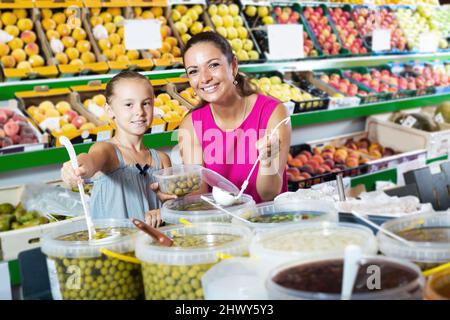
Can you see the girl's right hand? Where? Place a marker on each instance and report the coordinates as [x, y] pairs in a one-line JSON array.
[[71, 176]]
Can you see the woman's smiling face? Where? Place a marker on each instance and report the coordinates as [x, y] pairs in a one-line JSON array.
[[209, 72]]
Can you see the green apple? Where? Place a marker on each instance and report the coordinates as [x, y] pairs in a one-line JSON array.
[[238, 22], [236, 44], [176, 15], [187, 20], [248, 45], [233, 9], [222, 10], [268, 20], [232, 33], [196, 28], [253, 55], [250, 11], [181, 27], [242, 32], [263, 11], [222, 31], [212, 10], [217, 21], [228, 21], [242, 55]]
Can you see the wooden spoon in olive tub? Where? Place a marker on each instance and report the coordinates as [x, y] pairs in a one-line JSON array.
[[153, 232]]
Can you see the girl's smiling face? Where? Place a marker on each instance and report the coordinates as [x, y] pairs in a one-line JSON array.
[[132, 105], [209, 72]]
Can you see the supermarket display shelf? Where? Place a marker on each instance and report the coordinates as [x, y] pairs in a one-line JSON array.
[[167, 139], [7, 89]]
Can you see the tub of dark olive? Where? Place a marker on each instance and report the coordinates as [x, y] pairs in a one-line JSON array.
[[378, 278], [193, 209], [429, 234], [79, 270], [269, 215], [175, 272], [179, 180]]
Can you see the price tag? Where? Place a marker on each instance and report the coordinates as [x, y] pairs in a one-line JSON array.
[[291, 107], [142, 34], [439, 118], [428, 42], [255, 3], [50, 123], [34, 147], [5, 282], [103, 135], [409, 122], [381, 39], [285, 41], [158, 128], [54, 282]]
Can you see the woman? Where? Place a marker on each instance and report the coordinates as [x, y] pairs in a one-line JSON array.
[[228, 132]]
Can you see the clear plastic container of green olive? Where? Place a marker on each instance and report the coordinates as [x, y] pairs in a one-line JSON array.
[[175, 272], [79, 270], [269, 215], [193, 209], [179, 180]]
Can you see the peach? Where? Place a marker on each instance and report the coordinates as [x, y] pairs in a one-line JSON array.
[[110, 55], [326, 167], [329, 148], [36, 61], [78, 121], [87, 57], [83, 46], [12, 30], [4, 49], [25, 24], [104, 44], [79, 34], [48, 24], [8, 61], [68, 42], [63, 30], [307, 154], [76, 62], [74, 22], [19, 55], [99, 100], [313, 163], [20, 13], [62, 107], [8, 18], [133, 54], [351, 162], [53, 34], [59, 17], [319, 170], [318, 158], [31, 49], [375, 153], [28, 36], [25, 65], [339, 159], [15, 43], [70, 115], [72, 53], [62, 58], [316, 151]]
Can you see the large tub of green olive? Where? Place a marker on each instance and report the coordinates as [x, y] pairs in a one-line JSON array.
[[193, 209], [270, 215], [175, 273], [81, 269], [179, 180]]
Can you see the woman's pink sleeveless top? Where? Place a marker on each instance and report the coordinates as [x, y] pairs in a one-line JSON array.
[[233, 153]]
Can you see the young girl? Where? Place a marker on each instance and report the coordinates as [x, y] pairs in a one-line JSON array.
[[122, 168]]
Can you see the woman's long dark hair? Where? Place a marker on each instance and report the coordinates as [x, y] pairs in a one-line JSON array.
[[244, 87]]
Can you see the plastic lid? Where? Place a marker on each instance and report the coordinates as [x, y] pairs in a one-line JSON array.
[[303, 241], [194, 209], [177, 170], [409, 290], [148, 251], [122, 242], [421, 251], [315, 209], [213, 179]]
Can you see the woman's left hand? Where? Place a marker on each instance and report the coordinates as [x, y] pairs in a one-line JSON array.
[[153, 218], [163, 197], [268, 148]]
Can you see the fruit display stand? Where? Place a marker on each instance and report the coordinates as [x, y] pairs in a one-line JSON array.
[[68, 38], [169, 55], [22, 134], [30, 57], [104, 20], [226, 18], [405, 138], [56, 122], [180, 90]]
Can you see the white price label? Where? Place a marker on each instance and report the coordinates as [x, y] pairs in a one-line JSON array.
[[158, 128], [50, 123], [381, 39], [103, 135], [285, 41], [409, 122], [142, 34], [428, 42], [187, 2], [54, 282], [439, 118], [291, 107]]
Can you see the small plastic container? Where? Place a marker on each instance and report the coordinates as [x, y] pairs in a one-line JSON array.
[[429, 234], [378, 278], [78, 269], [271, 215], [312, 240], [234, 279], [193, 209], [175, 272], [179, 180], [438, 286]]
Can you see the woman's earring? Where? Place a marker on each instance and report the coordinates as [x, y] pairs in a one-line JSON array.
[[195, 94], [235, 82]]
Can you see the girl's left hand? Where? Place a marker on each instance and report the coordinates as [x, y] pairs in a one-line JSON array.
[[163, 197], [153, 218]]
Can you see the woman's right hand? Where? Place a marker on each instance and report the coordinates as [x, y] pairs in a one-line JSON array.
[[71, 176]]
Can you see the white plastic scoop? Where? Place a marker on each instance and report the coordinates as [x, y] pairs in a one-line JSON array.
[[215, 205], [225, 198], [352, 257], [73, 159]]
